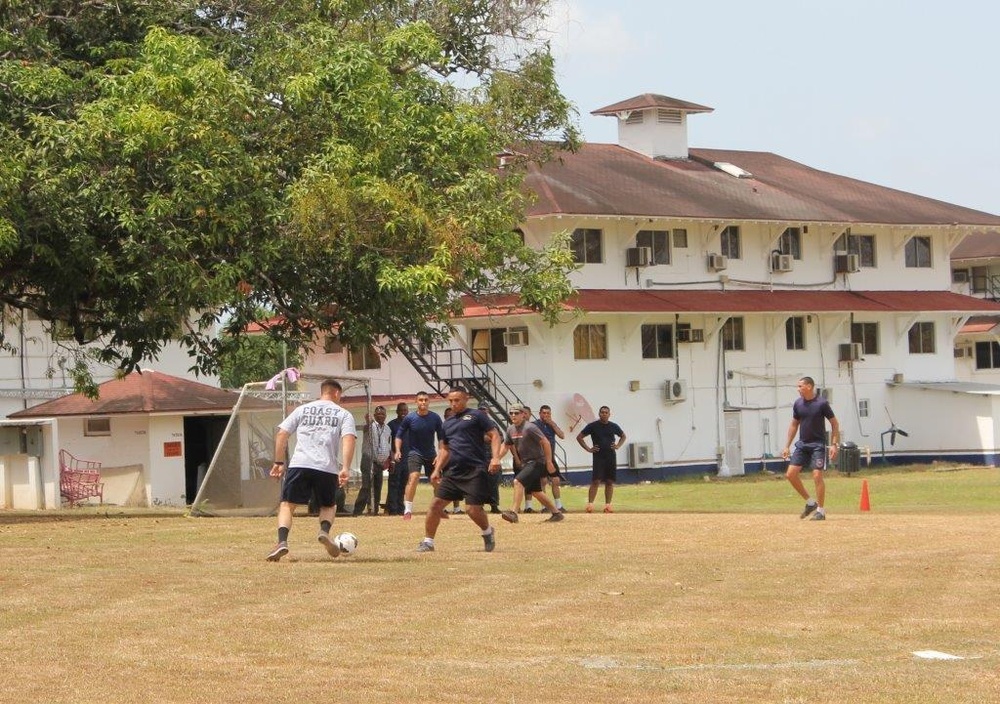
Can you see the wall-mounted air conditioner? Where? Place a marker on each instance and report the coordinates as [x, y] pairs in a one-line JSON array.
[[690, 335], [515, 337], [846, 263], [781, 262], [963, 352], [640, 455], [850, 352], [717, 262], [675, 390], [638, 256]]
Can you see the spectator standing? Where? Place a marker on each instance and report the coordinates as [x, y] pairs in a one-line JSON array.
[[606, 437], [374, 461], [551, 430], [397, 470]]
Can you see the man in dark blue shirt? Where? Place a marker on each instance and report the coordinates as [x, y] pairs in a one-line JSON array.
[[606, 437], [419, 429], [809, 415], [462, 469], [397, 472]]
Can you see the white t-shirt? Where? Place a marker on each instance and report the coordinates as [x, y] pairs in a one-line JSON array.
[[318, 427]]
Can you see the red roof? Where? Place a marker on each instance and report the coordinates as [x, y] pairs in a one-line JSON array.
[[979, 325], [700, 301], [606, 179], [139, 392], [651, 100]]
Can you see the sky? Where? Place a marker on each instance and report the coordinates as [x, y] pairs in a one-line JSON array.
[[905, 94]]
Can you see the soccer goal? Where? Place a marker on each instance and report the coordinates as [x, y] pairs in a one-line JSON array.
[[238, 481]]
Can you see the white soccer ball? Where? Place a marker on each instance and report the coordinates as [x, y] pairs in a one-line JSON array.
[[347, 542]]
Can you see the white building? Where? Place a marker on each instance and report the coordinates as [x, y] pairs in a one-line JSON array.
[[710, 281]]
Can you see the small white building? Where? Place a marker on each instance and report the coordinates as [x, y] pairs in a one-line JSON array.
[[710, 280]]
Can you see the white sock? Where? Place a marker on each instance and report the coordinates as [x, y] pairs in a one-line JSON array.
[[558, 503], [488, 530], [821, 510], [407, 507], [811, 502], [527, 504], [429, 541]]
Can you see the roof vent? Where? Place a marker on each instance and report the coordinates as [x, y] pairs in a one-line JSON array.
[[732, 169]]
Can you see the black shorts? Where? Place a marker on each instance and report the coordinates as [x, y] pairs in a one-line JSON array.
[[300, 483], [557, 475], [605, 467], [530, 476], [415, 462], [474, 488]]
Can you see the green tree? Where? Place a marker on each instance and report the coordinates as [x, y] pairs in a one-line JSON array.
[[334, 161], [255, 358]]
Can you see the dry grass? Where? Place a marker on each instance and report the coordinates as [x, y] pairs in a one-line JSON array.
[[629, 607]]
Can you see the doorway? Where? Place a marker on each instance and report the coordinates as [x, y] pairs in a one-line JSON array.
[[202, 435]]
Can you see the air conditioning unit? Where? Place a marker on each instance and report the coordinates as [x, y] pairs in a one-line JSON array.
[[675, 390], [690, 335], [960, 276], [640, 455], [850, 352], [717, 262], [781, 262], [638, 256], [847, 263], [963, 351], [515, 337]]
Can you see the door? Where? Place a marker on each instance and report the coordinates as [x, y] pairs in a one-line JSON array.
[[732, 460]]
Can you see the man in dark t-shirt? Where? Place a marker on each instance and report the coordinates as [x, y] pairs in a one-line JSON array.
[[462, 468], [809, 415], [606, 437]]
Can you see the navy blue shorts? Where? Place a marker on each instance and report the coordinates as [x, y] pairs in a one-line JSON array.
[[809, 454], [605, 467], [300, 483], [473, 488]]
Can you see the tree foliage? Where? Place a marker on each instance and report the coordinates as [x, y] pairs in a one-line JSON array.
[[319, 159]]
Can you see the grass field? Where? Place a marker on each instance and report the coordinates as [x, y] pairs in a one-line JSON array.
[[693, 591]]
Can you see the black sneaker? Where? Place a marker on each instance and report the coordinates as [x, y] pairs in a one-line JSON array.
[[562, 509], [818, 516], [529, 510], [495, 509], [489, 540], [329, 543], [509, 516], [554, 518], [425, 547], [280, 550], [808, 509], [544, 510]]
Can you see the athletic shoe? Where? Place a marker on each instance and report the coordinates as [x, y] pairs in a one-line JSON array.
[[818, 516], [425, 547], [554, 518], [562, 509], [590, 508], [457, 511], [529, 510], [509, 516], [544, 510], [407, 516], [608, 509], [490, 541], [495, 509], [329, 544], [808, 509], [280, 550]]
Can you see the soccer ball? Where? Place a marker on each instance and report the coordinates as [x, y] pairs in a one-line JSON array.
[[347, 542]]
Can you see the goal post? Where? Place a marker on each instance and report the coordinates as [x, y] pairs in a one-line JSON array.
[[237, 481]]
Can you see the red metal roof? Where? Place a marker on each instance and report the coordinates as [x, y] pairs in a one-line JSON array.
[[979, 325], [651, 100], [145, 392], [700, 301], [606, 179]]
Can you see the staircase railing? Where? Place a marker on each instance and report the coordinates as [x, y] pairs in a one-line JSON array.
[[442, 369]]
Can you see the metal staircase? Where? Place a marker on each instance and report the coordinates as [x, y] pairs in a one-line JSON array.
[[442, 369]]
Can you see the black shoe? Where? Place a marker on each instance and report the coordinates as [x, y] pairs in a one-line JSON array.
[[490, 541], [529, 510], [562, 509], [818, 516], [554, 518], [544, 510], [495, 509], [808, 509]]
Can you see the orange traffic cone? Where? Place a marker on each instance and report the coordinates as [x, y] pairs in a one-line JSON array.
[[865, 503]]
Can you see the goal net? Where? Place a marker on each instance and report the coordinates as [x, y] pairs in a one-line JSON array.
[[237, 481]]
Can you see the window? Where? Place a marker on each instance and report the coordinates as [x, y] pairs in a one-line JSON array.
[[681, 238], [94, 427], [658, 242], [586, 246], [657, 341], [862, 245], [922, 338], [795, 333], [864, 407], [865, 334], [366, 357], [918, 252], [732, 335], [790, 242], [590, 342], [730, 242], [332, 344], [488, 346], [987, 355]]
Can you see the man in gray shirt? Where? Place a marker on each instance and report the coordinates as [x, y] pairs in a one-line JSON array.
[[533, 453]]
